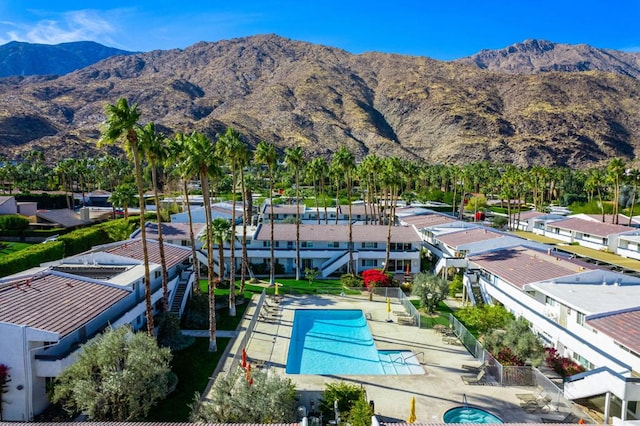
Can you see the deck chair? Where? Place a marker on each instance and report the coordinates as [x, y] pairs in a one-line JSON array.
[[531, 396], [479, 379], [538, 404], [569, 418], [473, 368]]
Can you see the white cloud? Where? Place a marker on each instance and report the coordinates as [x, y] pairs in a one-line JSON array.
[[78, 25]]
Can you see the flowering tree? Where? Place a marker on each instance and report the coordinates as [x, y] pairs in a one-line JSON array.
[[375, 278]]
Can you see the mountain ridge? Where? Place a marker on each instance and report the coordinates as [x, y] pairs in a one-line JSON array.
[[296, 93], [24, 59]]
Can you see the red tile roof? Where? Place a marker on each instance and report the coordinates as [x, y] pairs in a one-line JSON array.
[[361, 233], [621, 327], [590, 227], [174, 255], [55, 303], [520, 266], [468, 236]]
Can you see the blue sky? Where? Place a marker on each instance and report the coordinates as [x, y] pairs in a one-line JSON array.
[[440, 29]]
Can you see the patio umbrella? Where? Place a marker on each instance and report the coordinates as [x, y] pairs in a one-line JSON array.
[[247, 375], [412, 411], [244, 358]]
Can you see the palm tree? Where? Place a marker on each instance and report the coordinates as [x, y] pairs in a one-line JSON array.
[[266, 154], [231, 149], [123, 196], [294, 157], [317, 172], [201, 156], [594, 183], [152, 145], [221, 231], [122, 121], [634, 177], [344, 161], [368, 171], [178, 154], [392, 177], [615, 175]]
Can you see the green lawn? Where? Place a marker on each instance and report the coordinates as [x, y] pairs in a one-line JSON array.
[[193, 366], [11, 247], [287, 285], [428, 321]]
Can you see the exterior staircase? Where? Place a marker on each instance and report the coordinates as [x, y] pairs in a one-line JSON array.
[[180, 290], [477, 295]]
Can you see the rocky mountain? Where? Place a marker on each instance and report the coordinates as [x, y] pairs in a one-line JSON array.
[[295, 93], [23, 59], [536, 56]]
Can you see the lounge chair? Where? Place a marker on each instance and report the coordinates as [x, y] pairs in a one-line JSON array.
[[530, 396], [479, 379], [569, 418], [473, 368], [538, 404]]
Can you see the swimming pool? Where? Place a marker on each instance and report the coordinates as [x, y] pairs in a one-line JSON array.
[[470, 415], [333, 341]]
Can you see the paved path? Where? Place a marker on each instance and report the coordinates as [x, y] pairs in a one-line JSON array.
[[435, 391]]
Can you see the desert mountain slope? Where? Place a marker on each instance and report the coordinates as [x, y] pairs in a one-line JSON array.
[[295, 93]]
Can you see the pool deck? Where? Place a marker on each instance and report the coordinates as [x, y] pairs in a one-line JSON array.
[[437, 390]]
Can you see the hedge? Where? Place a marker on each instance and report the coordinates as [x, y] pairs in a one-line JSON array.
[[30, 257]]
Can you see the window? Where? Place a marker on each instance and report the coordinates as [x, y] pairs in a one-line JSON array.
[[307, 244], [289, 244], [580, 318], [156, 274], [335, 244], [368, 262], [369, 245]]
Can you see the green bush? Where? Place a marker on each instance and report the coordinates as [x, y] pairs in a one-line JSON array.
[[13, 222], [84, 239], [347, 395], [348, 280], [456, 285], [31, 257]]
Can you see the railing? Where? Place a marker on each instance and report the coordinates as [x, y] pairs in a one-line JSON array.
[[397, 293], [248, 332]]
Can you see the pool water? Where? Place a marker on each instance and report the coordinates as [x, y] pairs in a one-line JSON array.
[[470, 415], [331, 341]]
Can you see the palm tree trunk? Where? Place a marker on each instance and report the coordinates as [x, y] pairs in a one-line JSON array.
[[297, 225], [351, 263], [210, 277], [232, 255], [245, 261], [194, 254], [272, 264], [163, 259], [143, 238]]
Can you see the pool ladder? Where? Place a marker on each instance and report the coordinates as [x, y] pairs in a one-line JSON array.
[[404, 360]]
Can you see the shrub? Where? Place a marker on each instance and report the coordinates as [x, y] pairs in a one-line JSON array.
[[13, 222], [84, 239], [30, 257], [348, 280], [347, 395], [456, 285], [565, 367], [375, 278]]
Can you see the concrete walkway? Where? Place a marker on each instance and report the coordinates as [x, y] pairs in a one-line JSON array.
[[437, 390]]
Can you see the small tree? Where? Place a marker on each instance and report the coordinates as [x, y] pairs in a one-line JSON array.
[[430, 288], [516, 343], [234, 399], [311, 274], [347, 395], [118, 376], [485, 318]]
